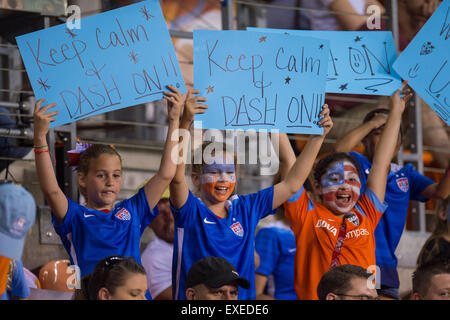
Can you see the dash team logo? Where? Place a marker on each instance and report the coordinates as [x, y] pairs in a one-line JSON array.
[[237, 229], [123, 214]]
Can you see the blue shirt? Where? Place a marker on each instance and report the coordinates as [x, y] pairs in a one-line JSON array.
[[403, 184], [17, 287], [89, 235], [200, 233], [275, 245]]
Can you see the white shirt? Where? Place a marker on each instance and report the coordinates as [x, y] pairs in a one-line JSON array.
[[322, 20], [157, 262]]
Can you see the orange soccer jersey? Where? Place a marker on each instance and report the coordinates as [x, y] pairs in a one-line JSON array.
[[4, 270], [316, 231]]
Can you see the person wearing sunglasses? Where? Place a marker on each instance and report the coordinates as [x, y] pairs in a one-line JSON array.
[[347, 282], [114, 278]]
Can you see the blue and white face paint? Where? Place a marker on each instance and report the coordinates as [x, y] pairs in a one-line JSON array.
[[341, 187]]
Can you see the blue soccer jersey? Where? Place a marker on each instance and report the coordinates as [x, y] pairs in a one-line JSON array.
[[275, 245], [403, 184], [90, 235], [200, 233]]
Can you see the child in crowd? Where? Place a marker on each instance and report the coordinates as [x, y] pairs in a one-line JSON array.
[[102, 228], [114, 278], [340, 228], [404, 184], [215, 224]]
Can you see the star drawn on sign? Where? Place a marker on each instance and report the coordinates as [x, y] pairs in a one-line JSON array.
[[145, 12], [210, 89], [43, 84], [343, 87], [71, 33], [358, 38], [133, 57], [286, 80], [262, 39]]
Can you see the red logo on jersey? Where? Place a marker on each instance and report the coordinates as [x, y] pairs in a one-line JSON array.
[[123, 214], [237, 229], [403, 184]]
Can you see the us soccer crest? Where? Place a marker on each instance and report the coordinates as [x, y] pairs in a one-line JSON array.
[[403, 184], [237, 229], [123, 214]]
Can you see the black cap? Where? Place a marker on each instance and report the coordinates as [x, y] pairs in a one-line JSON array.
[[214, 272]]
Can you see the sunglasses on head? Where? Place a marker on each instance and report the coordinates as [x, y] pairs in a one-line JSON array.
[[112, 261]]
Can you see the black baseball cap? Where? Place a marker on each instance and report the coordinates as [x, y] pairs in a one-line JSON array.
[[214, 272]]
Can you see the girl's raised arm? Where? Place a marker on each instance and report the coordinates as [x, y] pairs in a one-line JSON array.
[[377, 179], [156, 186], [300, 170], [179, 190], [44, 168]]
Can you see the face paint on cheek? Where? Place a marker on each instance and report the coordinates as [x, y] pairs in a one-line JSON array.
[[218, 186], [341, 187]]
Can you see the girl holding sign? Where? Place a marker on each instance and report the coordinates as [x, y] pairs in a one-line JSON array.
[[102, 228], [217, 223], [339, 229]]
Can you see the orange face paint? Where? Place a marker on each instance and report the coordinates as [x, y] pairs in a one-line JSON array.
[[218, 181]]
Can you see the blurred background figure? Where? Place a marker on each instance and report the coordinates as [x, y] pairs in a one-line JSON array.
[[437, 246], [17, 216], [322, 19], [157, 256], [431, 281], [275, 245]]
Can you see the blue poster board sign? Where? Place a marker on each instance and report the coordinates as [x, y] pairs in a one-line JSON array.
[[359, 62], [258, 81], [117, 59], [425, 62]]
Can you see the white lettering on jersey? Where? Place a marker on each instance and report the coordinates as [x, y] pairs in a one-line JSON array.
[[357, 233], [323, 224]]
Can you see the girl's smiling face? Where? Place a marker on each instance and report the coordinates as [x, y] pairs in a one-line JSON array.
[[103, 181], [340, 187], [218, 180]]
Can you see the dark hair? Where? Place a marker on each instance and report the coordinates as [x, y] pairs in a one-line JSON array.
[[109, 273], [324, 163], [337, 280], [431, 249], [90, 153], [372, 114], [421, 278]]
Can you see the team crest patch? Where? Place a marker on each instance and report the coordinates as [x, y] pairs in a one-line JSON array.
[[353, 219], [123, 214], [237, 229], [403, 184]]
